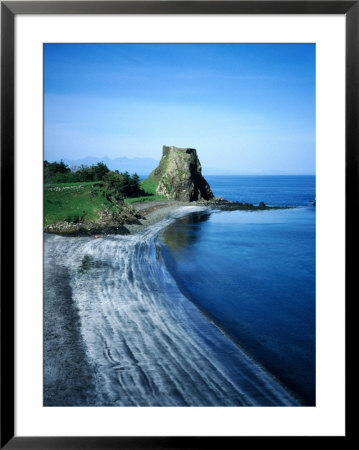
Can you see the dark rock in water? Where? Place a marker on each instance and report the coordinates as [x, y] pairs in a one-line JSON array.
[[227, 205], [179, 175]]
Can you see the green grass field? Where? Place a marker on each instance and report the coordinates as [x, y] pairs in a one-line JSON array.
[[76, 184], [147, 198], [150, 184], [72, 203], [81, 202]]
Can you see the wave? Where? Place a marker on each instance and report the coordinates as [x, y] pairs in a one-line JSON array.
[[146, 343]]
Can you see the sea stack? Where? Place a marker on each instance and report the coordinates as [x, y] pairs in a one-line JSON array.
[[179, 175]]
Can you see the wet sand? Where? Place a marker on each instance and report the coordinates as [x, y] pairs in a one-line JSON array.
[[154, 212]]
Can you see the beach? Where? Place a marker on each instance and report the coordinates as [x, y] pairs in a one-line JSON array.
[[68, 376], [140, 341], [133, 219], [154, 212]]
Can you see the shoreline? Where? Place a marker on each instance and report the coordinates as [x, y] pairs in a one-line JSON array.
[[143, 215], [137, 217], [127, 364], [152, 214]]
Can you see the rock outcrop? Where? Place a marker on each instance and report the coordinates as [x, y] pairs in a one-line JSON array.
[[108, 222], [179, 175]]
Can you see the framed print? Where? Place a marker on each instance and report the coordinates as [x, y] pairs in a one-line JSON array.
[[177, 184]]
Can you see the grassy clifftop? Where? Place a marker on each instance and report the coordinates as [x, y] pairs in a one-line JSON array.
[[84, 202], [75, 202]]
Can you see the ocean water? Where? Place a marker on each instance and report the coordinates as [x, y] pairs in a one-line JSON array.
[[205, 308], [282, 190], [253, 272]]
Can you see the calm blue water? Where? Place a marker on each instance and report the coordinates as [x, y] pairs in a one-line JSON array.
[[273, 190], [253, 273]]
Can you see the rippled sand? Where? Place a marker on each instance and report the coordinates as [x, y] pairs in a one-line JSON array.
[[132, 337]]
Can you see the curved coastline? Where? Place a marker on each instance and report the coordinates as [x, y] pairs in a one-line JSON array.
[[139, 216], [190, 252], [142, 215], [149, 345]]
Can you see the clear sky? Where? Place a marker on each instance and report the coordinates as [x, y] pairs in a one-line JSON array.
[[244, 107]]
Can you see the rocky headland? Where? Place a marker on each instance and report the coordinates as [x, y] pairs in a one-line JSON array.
[[179, 175], [136, 218], [178, 178]]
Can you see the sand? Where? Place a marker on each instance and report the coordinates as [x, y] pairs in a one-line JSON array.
[[154, 212]]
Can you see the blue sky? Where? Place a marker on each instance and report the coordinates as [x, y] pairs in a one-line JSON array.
[[244, 107]]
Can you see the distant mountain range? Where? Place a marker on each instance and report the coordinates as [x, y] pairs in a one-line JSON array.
[[144, 166], [141, 166]]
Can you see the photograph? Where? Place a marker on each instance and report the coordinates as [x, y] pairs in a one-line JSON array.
[[179, 220]]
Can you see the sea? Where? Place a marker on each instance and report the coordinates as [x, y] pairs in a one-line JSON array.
[[206, 308]]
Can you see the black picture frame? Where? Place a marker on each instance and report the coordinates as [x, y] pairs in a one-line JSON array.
[[9, 9]]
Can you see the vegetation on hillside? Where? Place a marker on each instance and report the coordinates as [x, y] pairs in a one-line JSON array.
[[61, 173], [73, 202], [81, 194], [150, 184]]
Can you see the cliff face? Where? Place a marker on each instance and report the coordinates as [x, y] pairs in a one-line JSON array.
[[179, 175]]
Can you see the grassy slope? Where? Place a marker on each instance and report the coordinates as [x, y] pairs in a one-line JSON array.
[[151, 182], [147, 198], [72, 202], [72, 185], [80, 202]]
